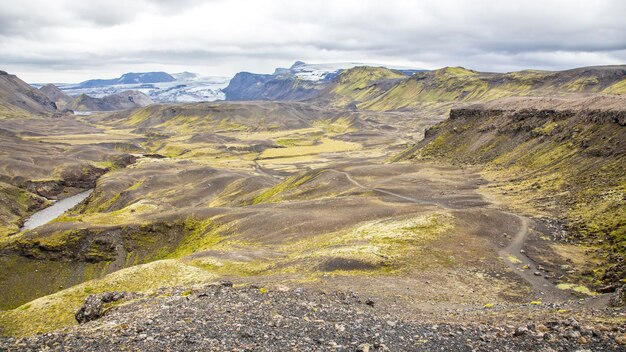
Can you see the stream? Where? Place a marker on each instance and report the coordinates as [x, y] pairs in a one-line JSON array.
[[54, 211]]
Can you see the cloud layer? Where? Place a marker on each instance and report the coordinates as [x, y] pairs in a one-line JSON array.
[[63, 40]]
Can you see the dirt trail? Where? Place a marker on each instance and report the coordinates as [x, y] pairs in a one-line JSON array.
[[512, 254], [516, 260], [393, 194]]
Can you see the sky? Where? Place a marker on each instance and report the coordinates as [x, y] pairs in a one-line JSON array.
[[71, 41]]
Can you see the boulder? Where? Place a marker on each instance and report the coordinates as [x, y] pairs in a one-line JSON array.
[[93, 308]]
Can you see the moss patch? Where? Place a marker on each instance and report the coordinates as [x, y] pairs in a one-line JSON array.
[[57, 310]]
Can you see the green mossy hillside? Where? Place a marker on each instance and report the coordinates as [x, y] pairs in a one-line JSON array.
[[377, 89], [568, 163]]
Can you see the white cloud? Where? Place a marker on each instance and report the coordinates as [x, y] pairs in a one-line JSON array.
[[63, 40]]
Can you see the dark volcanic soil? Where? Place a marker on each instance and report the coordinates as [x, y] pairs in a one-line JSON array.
[[219, 317]]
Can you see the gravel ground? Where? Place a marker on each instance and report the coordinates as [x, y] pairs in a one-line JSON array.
[[222, 318]]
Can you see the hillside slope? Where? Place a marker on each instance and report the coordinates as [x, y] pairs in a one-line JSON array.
[[17, 98], [565, 156], [56, 95], [125, 100], [456, 84]]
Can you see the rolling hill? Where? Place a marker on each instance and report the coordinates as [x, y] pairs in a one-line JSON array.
[[56, 95], [119, 101], [17, 98]]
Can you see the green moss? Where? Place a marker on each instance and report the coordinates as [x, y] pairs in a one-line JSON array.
[[382, 247], [581, 84], [199, 235], [24, 279], [108, 165], [108, 203], [272, 194], [135, 186], [455, 71], [335, 127], [359, 83], [57, 310], [576, 288], [15, 204], [617, 88], [546, 129]]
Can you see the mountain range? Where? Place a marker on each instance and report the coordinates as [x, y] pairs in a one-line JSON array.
[[359, 87], [299, 82], [159, 86]]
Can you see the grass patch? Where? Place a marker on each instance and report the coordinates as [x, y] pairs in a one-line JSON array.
[[57, 310], [576, 288], [326, 145]]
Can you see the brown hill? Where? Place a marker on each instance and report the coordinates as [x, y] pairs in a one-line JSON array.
[[125, 100], [56, 95], [18, 98]]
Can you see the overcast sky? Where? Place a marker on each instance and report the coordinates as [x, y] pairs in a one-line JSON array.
[[70, 41]]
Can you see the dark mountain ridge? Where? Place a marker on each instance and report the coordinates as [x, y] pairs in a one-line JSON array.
[[130, 78]]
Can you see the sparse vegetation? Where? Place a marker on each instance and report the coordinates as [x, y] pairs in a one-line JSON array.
[[331, 193]]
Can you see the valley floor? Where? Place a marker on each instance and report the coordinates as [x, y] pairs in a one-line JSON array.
[[300, 207]]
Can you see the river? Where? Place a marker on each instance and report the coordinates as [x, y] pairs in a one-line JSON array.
[[54, 211]]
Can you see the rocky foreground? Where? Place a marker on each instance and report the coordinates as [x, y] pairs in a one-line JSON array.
[[220, 317]]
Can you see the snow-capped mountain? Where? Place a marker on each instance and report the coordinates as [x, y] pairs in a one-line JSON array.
[[328, 71], [159, 86], [301, 81], [298, 82], [129, 78]]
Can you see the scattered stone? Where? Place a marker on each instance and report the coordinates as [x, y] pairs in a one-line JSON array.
[[92, 309], [520, 331], [226, 283], [243, 320], [364, 347], [571, 334], [618, 298]]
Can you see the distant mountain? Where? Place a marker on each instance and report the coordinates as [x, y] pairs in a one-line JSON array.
[[159, 86], [372, 88], [18, 98], [186, 76], [301, 81], [56, 95], [118, 101], [251, 86], [129, 78]]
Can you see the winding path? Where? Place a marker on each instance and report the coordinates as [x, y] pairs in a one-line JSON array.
[[512, 254]]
